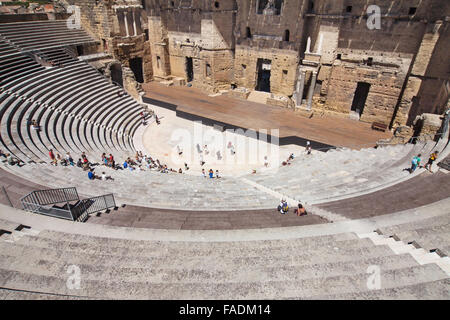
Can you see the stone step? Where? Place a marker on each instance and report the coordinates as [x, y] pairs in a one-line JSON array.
[[41, 266], [6, 294], [115, 288], [433, 290], [186, 245], [214, 249], [111, 257]]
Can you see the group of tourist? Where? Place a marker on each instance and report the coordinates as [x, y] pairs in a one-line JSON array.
[[146, 115], [211, 174], [283, 208], [140, 162], [291, 157], [11, 160], [103, 177], [415, 162], [82, 162], [203, 152]]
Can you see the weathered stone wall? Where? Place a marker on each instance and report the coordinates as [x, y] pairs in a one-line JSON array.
[[405, 61], [282, 73], [96, 17], [197, 30], [120, 28], [427, 126], [385, 76]]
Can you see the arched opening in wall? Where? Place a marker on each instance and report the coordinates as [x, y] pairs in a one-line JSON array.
[[286, 35], [248, 33], [136, 67], [116, 73], [208, 70], [158, 62], [359, 100], [216, 4]]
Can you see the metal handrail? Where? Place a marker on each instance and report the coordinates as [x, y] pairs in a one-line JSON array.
[[48, 211], [43, 201], [51, 196]]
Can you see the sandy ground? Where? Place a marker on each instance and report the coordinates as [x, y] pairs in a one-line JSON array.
[[162, 142]]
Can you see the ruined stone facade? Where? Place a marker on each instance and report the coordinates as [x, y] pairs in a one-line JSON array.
[[121, 28], [328, 56]]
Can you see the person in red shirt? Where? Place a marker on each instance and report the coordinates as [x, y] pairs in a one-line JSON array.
[[111, 161], [52, 157]]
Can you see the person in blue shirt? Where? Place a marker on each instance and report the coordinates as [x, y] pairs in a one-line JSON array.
[[211, 173], [415, 163], [91, 175]]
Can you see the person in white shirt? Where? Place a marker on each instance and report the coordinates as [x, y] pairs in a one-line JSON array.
[[266, 162]]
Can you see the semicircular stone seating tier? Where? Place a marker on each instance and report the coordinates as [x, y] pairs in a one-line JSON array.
[[77, 108], [330, 261], [191, 192], [341, 173]]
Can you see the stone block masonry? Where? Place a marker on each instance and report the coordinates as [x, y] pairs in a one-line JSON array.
[[317, 55]]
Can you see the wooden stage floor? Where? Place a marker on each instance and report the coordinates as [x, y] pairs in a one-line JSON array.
[[191, 103]]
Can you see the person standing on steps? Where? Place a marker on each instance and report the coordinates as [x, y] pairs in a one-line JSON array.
[[179, 150], [415, 163], [111, 162], [52, 157], [432, 158], [308, 148]]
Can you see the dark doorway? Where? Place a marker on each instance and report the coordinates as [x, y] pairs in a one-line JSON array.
[[359, 100], [136, 67], [286, 35], [80, 50], [116, 73], [189, 69], [248, 33], [264, 67]]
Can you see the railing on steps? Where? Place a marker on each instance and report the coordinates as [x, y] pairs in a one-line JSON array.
[[57, 203]]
